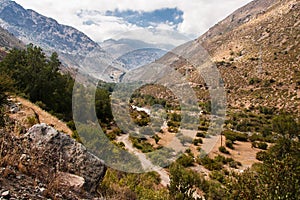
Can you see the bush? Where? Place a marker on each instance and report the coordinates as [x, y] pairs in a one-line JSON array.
[[223, 150], [196, 142], [210, 164], [220, 159], [185, 160], [234, 136], [202, 128], [262, 145], [71, 125], [234, 164], [200, 134], [254, 144], [229, 144], [172, 129], [261, 156], [256, 137]]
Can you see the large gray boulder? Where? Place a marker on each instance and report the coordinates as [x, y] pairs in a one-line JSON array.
[[62, 153]]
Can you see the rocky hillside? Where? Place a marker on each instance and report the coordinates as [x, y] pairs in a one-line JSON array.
[[7, 42], [29, 26], [256, 51], [140, 57], [73, 46], [258, 55]]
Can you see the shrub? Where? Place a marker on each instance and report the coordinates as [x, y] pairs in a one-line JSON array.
[[229, 144], [261, 156], [254, 144], [31, 120], [172, 129], [262, 145], [233, 136], [220, 159], [76, 136], [210, 164], [200, 134], [202, 128], [234, 164], [185, 160], [223, 150], [156, 138], [196, 142], [71, 125], [256, 137]]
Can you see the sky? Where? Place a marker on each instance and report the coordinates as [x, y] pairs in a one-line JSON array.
[[173, 21]]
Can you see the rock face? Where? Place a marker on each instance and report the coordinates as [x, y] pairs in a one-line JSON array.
[[45, 163], [71, 157]]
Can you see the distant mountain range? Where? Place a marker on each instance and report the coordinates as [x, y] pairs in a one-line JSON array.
[[140, 57], [29, 26], [76, 50]]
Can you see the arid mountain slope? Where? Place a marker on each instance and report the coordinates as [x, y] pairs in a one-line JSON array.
[[259, 59], [256, 51]]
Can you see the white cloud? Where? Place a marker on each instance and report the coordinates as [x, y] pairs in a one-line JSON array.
[[199, 15]]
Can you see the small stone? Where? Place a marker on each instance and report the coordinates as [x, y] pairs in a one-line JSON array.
[[5, 194]]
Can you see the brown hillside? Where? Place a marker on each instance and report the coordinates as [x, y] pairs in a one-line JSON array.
[[256, 50]]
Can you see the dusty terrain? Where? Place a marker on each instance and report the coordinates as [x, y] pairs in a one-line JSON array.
[[29, 112]]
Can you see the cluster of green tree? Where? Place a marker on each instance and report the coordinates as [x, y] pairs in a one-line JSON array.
[[254, 119], [37, 77]]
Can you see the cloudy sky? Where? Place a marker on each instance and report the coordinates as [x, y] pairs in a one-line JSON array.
[[152, 19]]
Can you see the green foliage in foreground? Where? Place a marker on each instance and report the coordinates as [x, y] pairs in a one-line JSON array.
[[126, 186]]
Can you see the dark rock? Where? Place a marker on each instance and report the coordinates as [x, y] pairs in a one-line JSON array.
[[68, 155]]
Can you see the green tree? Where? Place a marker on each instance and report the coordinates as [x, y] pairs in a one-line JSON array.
[[39, 78]]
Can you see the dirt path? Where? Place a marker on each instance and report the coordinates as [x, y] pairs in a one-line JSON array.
[[28, 109], [146, 163]]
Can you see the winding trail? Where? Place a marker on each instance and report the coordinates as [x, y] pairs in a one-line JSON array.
[[146, 163]]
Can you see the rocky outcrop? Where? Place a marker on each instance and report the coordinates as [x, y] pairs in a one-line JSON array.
[[70, 156], [46, 163]]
